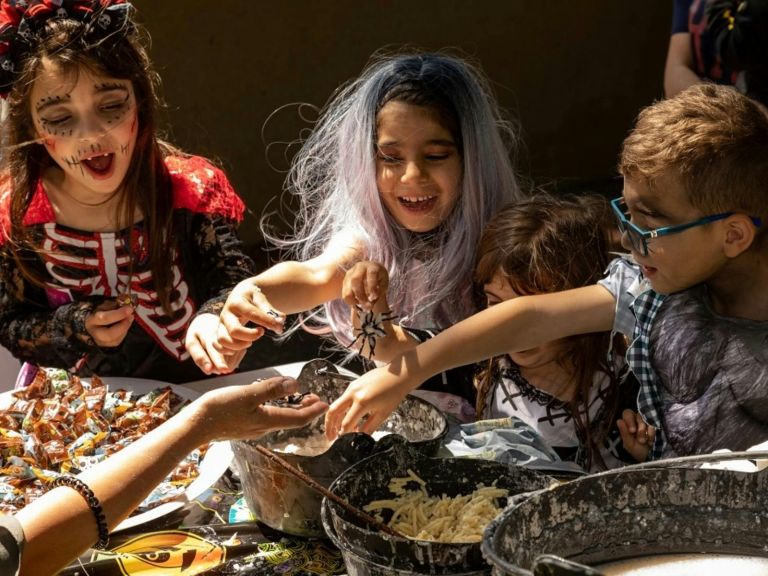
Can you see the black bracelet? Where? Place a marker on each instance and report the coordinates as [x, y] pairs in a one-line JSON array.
[[93, 503]]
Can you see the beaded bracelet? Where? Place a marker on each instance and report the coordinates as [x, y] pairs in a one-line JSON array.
[[93, 503]]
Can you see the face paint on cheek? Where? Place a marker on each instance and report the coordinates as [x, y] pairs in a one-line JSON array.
[[74, 164]]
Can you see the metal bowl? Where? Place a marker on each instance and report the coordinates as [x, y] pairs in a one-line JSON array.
[[285, 503], [368, 552], [632, 513]]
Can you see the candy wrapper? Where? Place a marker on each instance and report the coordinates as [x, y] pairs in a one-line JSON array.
[[60, 424]]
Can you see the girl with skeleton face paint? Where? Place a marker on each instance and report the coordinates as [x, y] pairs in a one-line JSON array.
[[88, 125], [94, 208]]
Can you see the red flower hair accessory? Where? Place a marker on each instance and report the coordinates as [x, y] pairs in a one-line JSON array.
[[22, 20]]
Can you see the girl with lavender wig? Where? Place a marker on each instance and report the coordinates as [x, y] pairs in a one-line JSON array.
[[395, 184]]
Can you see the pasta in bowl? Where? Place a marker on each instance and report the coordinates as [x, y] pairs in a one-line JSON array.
[[446, 501], [417, 514]]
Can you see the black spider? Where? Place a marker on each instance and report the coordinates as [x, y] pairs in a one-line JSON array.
[[371, 328]]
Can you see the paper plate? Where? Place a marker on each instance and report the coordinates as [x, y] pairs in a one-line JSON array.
[[215, 462]]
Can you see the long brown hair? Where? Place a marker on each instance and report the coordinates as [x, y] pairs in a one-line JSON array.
[[549, 244], [65, 43]]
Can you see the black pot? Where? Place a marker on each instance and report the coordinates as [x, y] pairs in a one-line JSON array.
[[634, 512], [284, 502], [370, 552]]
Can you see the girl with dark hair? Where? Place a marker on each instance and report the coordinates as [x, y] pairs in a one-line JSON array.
[[111, 240], [405, 167], [566, 390]]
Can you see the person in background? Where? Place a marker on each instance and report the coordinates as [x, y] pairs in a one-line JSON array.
[[568, 391], [723, 41]]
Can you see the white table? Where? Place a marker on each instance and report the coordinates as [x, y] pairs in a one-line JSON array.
[[293, 369]]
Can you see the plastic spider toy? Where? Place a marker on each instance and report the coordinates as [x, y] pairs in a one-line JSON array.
[[292, 400], [371, 328]]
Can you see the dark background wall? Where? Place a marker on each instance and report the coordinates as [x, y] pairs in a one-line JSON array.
[[574, 73]]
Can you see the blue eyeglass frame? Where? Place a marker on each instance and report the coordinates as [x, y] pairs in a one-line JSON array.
[[639, 237]]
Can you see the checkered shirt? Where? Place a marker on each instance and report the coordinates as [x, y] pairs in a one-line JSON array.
[[636, 308]]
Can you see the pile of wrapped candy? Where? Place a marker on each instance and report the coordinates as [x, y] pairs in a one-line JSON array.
[[60, 424]]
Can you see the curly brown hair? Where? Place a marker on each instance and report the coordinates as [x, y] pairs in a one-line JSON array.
[[549, 244]]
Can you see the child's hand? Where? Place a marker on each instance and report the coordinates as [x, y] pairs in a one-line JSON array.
[[204, 348], [365, 284], [247, 304], [109, 323], [374, 395], [636, 435]]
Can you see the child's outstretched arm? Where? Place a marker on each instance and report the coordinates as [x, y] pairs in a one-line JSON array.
[[218, 260], [365, 291], [636, 435], [514, 325], [286, 288]]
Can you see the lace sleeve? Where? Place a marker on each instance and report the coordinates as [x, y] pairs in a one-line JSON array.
[[220, 262], [31, 330], [420, 335]]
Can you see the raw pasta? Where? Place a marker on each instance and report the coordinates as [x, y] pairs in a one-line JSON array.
[[419, 516]]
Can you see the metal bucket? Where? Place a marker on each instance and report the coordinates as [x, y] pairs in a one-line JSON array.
[[285, 503], [371, 553], [632, 513]]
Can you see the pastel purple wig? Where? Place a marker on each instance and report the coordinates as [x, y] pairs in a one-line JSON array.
[[334, 178]]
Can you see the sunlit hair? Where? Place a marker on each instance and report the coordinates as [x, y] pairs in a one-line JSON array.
[[147, 184], [549, 244], [334, 178], [711, 139]]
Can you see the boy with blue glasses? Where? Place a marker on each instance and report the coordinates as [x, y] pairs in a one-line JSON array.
[[691, 299], [639, 237]]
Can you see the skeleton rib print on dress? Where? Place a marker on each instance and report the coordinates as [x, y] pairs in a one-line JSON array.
[[99, 264]]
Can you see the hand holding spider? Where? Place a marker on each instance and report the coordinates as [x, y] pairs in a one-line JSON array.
[[365, 285], [246, 314], [365, 290]]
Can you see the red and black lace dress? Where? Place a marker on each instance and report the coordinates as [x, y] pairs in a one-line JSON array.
[[46, 326]]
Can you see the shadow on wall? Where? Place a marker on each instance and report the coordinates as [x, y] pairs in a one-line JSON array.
[[574, 74]]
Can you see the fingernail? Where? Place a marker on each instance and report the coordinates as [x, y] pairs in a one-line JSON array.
[[288, 384], [276, 315]]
